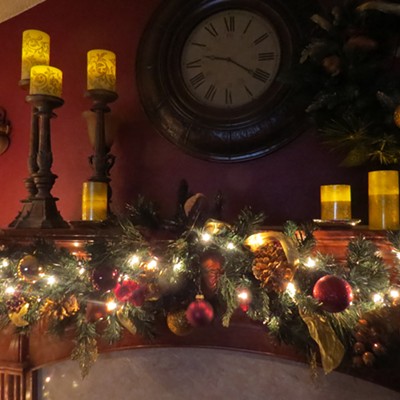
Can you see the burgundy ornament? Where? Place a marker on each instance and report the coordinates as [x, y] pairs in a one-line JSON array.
[[200, 312], [105, 278], [334, 293]]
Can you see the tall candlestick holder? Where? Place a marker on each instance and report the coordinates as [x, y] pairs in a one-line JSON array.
[[32, 163], [41, 210], [102, 160]]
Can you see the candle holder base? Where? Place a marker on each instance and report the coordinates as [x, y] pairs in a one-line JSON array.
[[40, 213]]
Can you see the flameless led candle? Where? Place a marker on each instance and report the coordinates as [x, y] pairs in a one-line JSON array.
[[101, 70], [46, 80], [383, 199], [94, 201], [35, 51], [335, 202]]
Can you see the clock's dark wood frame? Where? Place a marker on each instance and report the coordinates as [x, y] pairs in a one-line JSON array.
[[240, 134]]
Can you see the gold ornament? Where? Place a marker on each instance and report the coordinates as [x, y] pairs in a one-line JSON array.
[[61, 310], [396, 116], [29, 269], [178, 323]]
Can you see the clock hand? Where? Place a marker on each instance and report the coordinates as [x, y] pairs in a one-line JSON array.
[[228, 59]]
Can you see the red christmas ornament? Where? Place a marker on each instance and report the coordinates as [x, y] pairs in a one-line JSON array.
[[244, 298], [130, 290], [105, 278], [333, 292], [199, 312]]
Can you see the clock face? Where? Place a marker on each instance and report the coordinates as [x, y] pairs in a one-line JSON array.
[[230, 59]]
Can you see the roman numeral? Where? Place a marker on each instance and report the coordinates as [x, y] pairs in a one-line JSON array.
[[211, 91], [230, 24], [261, 38], [197, 80], [194, 64], [248, 91], [228, 96], [247, 26], [198, 44], [211, 30], [261, 75], [266, 56]]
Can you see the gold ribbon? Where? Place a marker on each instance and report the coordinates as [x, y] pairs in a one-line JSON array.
[[17, 317], [331, 349], [126, 322]]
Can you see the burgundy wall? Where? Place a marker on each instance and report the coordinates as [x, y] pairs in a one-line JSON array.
[[284, 184]]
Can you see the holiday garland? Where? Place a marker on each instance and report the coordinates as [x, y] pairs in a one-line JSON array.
[[207, 271], [351, 71]]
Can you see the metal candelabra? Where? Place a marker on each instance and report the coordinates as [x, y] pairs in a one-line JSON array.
[[40, 209]]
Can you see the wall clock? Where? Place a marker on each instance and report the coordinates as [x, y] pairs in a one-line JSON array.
[[210, 75]]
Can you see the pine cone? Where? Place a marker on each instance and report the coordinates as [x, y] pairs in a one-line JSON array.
[[270, 266]]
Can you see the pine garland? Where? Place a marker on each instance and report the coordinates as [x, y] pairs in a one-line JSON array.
[[214, 259]]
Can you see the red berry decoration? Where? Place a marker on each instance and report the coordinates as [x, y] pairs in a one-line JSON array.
[[211, 265], [199, 312], [333, 292], [105, 278]]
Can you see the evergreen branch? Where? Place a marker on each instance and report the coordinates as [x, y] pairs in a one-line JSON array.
[[85, 351]]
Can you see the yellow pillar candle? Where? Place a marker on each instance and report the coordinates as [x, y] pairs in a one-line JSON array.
[[383, 199], [101, 70], [94, 201], [35, 51], [46, 80], [335, 202]]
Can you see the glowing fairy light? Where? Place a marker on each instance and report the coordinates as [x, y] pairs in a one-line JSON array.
[[10, 290], [81, 270], [394, 293], [310, 263], [111, 305], [51, 280], [178, 266], [397, 254], [230, 246], [377, 298], [291, 290], [243, 295], [133, 260], [152, 265], [206, 237], [4, 263]]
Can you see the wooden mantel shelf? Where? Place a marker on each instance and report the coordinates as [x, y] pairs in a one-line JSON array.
[[21, 356]]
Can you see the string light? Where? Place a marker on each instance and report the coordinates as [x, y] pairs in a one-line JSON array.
[[10, 290], [230, 246], [205, 237], [152, 265], [111, 305], [178, 266], [133, 260], [291, 289], [4, 263], [377, 298], [51, 280], [310, 263]]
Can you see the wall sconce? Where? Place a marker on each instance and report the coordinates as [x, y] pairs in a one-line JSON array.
[[5, 128]]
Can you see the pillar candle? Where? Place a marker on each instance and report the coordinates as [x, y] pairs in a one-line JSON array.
[[335, 202], [35, 51], [101, 70], [383, 199], [45, 80], [94, 201]]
